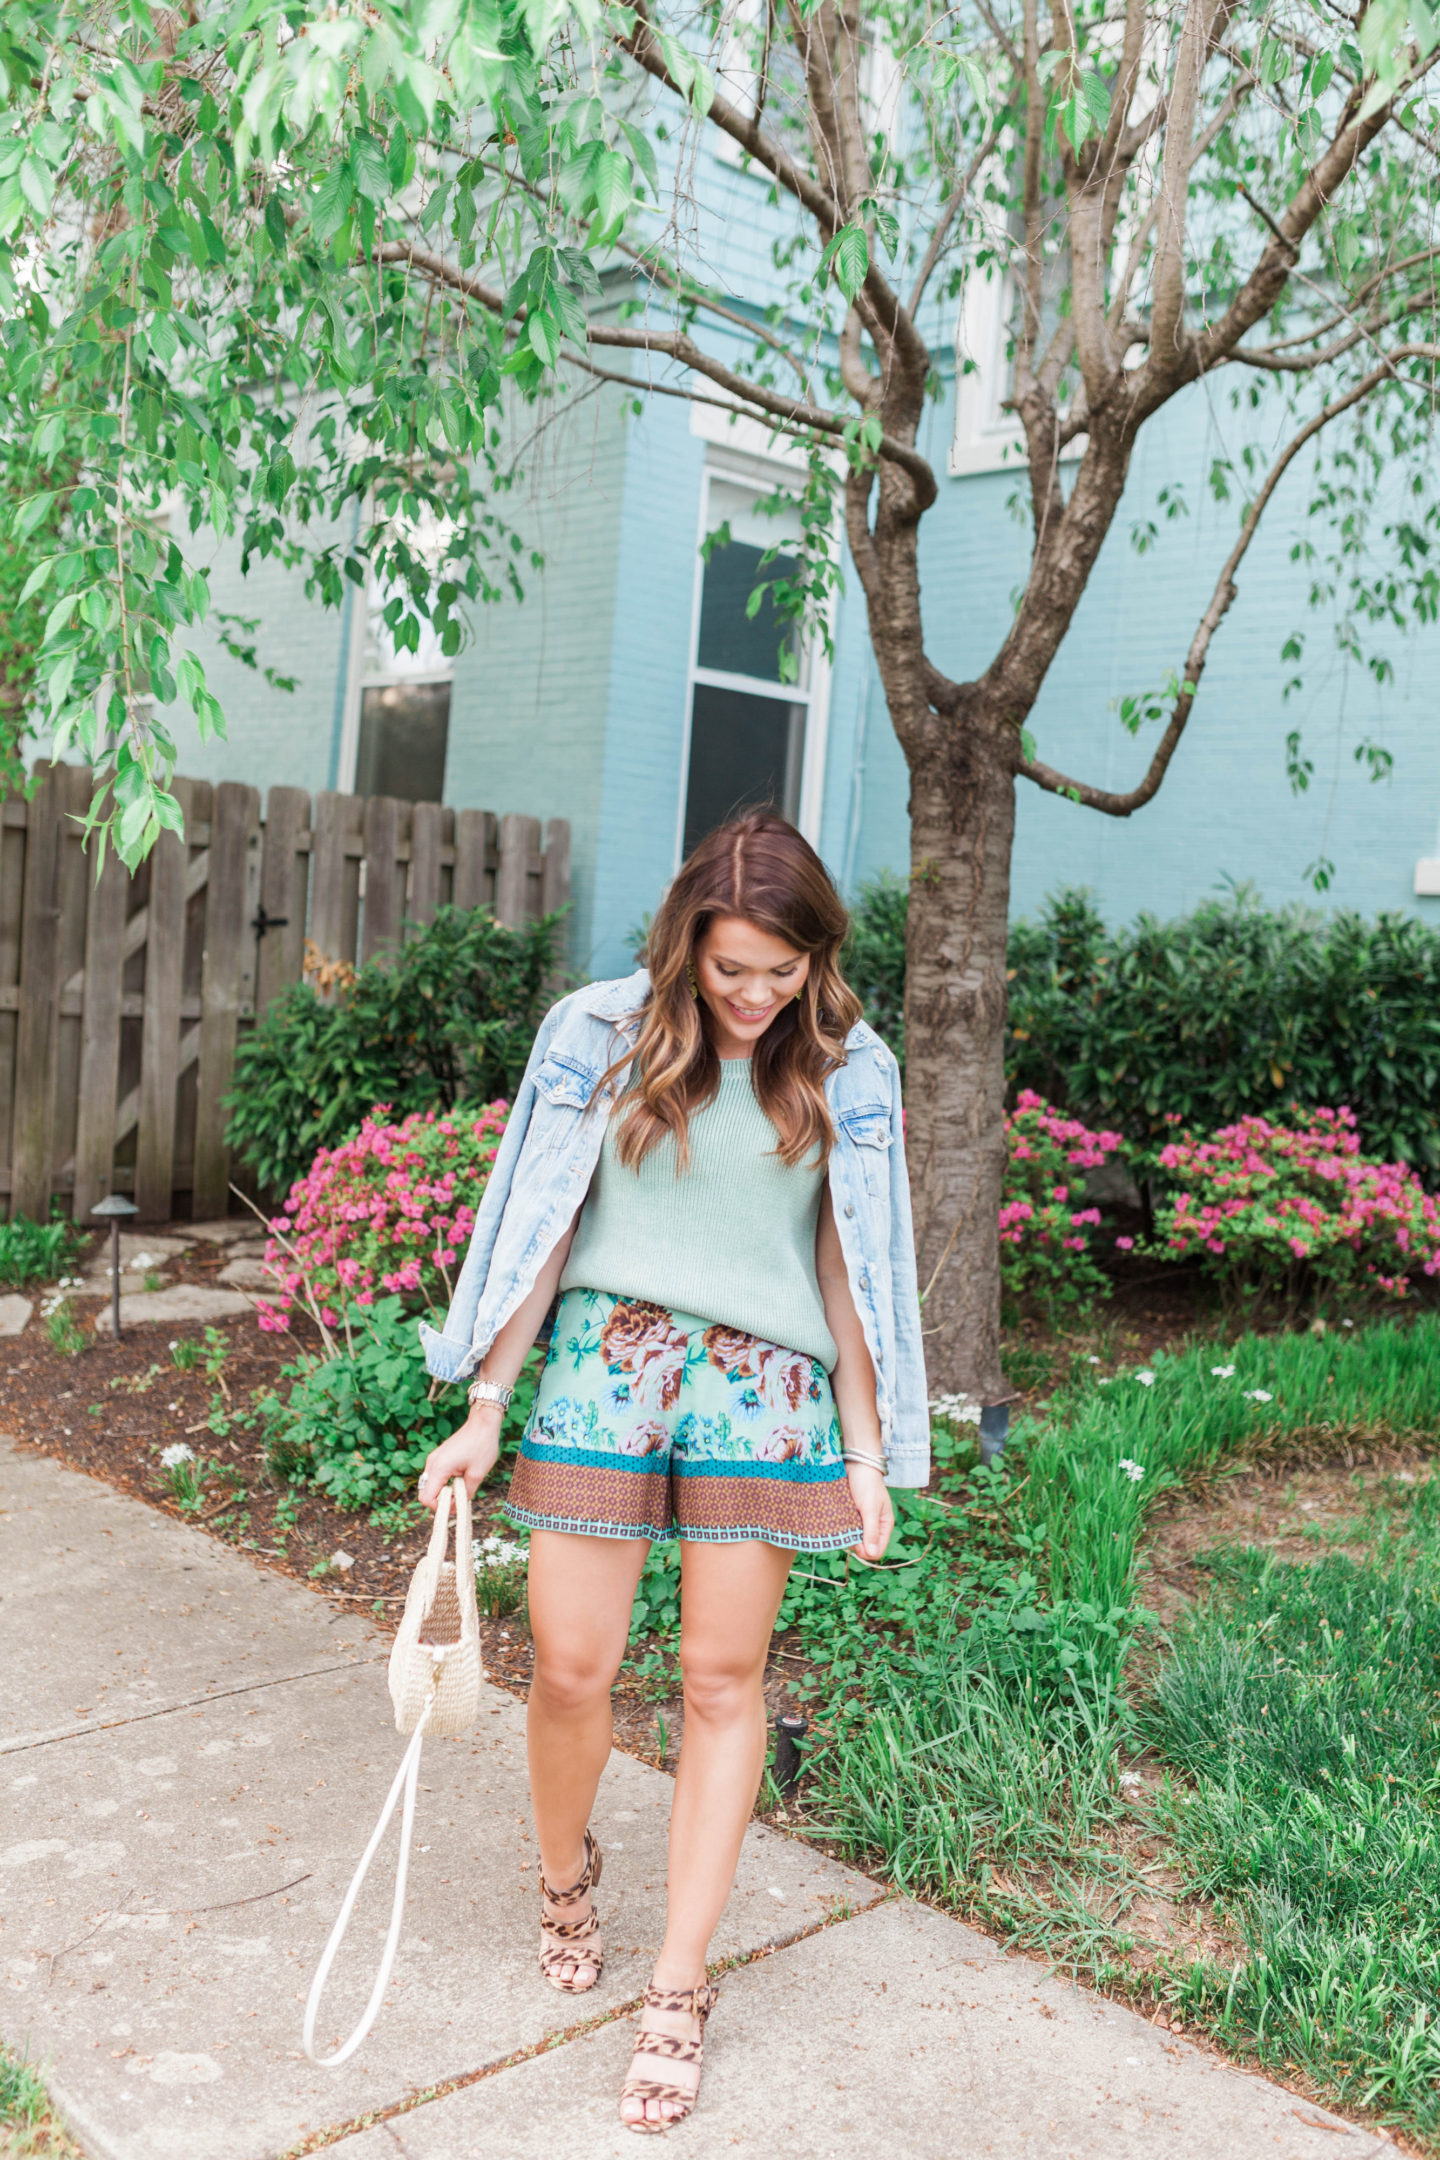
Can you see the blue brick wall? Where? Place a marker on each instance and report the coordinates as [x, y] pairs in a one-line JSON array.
[[1226, 809]]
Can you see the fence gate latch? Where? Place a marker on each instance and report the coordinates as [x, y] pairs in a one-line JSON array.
[[264, 921]]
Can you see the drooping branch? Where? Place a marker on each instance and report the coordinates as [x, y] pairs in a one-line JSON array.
[[1115, 804], [673, 345]]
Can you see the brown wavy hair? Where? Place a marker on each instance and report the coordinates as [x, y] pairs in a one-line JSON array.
[[760, 868]]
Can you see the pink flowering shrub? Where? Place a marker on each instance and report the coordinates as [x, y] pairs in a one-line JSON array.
[[1276, 1206], [387, 1212], [1044, 1225]]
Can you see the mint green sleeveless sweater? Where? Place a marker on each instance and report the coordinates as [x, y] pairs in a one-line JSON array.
[[731, 1238]]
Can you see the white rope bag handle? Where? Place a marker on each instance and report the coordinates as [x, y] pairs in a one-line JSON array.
[[422, 1592], [405, 1776]]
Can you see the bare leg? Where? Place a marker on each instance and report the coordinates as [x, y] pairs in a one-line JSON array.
[[730, 1595], [581, 1591]]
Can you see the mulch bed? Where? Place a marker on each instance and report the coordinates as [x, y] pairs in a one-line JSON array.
[[111, 1408]]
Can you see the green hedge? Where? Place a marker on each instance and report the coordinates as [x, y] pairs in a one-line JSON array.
[[449, 1019], [1231, 1009]]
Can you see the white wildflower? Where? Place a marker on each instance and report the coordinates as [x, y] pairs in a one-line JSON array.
[[1258, 1394], [1146, 1379], [1133, 1470], [1347, 1323], [497, 1552], [1223, 1372], [963, 1409], [1104, 1382], [1131, 1780], [1092, 1360], [178, 1451]]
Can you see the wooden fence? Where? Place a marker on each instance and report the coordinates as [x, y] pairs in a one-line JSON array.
[[122, 998]]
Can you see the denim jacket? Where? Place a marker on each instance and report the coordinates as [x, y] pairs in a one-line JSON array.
[[547, 1157]]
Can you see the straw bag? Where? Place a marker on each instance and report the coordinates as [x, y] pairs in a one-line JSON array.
[[435, 1674]]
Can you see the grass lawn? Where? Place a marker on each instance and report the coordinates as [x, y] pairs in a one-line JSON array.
[[1003, 1728]]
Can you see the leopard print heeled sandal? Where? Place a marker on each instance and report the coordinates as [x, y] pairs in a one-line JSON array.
[[665, 2047], [561, 1941]]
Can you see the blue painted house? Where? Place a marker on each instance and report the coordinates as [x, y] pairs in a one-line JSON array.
[[632, 695]]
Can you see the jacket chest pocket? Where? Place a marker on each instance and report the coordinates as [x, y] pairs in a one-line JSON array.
[[563, 1088], [869, 1126]]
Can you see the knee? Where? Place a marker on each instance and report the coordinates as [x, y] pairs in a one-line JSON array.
[[716, 1689], [567, 1683]]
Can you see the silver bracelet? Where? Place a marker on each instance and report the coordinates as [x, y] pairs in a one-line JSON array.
[[871, 1462], [489, 1391]]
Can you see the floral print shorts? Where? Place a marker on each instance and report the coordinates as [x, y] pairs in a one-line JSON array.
[[649, 1423]]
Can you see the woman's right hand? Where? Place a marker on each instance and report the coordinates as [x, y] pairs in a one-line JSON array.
[[470, 1453]]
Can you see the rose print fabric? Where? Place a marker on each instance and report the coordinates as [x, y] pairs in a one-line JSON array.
[[651, 1423]]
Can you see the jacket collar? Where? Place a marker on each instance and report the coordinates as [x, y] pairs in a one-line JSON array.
[[617, 999]]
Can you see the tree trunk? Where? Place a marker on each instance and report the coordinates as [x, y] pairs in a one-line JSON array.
[[962, 822]]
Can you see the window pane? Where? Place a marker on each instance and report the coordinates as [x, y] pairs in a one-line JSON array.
[[403, 732], [729, 640], [744, 750]]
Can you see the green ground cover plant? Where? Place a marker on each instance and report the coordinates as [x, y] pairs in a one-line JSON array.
[[974, 1751], [28, 2128], [1302, 1702], [36, 1251], [450, 1018]]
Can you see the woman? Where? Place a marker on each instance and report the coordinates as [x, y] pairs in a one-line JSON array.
[[704, 1161]]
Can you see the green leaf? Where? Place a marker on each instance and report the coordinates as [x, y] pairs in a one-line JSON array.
[[848, 254], [33, 512], [275, 225], [37, 185], [368, 167], [612, 188], [543, 336], [331, 206], [36, 579]]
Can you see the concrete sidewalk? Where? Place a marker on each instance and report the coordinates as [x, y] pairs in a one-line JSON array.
[[192, 1755]]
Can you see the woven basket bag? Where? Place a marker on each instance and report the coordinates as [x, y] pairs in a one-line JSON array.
[[435, 1673]]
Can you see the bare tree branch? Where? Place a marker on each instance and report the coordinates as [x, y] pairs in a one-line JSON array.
[[950, 210], [1123, 805], [1167, 311]]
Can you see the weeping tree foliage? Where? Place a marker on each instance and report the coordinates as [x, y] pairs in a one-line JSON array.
[[264, 261]]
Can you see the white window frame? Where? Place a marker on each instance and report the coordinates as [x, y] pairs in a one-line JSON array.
[[986, 438], [761, 475], [359, 678]]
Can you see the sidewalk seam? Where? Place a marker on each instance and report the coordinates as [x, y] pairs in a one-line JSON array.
[[382, 2117], [186, 1702]]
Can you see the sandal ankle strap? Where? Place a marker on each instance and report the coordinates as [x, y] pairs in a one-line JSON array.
[[693, 2002], [578, 1889]]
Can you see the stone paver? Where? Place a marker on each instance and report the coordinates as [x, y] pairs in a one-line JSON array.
[[898, 2032], [15, 1312], [248, 1274], [168, 1879], [222, 1230], [183, 1301]]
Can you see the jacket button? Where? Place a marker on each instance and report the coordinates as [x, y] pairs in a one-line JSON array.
[[849, 1209], [864, 1282]]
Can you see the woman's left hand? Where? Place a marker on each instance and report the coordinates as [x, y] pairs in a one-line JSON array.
[[877, 1517]]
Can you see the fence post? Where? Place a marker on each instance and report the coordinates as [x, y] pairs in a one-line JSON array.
[[280, 923], [100, 1035], [160, 1044], [519, 840], [32, 1157], [383, 886], [232, 821]]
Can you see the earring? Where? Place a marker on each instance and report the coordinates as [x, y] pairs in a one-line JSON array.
[[693, 980], [799, 994]]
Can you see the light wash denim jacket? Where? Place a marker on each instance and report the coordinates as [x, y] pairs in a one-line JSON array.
[[547, 1157]]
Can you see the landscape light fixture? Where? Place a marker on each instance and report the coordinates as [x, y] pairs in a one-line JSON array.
[[112, 1210]]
